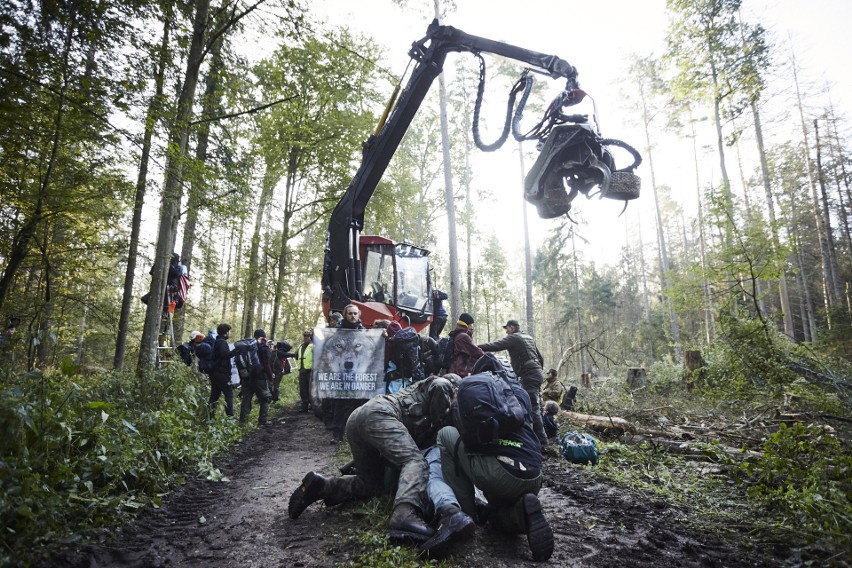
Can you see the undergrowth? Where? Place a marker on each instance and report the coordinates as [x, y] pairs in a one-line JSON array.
[[82, 452], [791, 483]]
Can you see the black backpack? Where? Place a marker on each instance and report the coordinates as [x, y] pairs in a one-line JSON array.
[[486, 409], [247, 360], [446, 352]]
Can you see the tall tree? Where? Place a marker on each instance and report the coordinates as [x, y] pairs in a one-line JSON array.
[[155, 108]]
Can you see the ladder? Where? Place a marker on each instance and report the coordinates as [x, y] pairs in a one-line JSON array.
[[166, 338]]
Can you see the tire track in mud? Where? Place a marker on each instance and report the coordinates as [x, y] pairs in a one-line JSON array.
[[245, 522]]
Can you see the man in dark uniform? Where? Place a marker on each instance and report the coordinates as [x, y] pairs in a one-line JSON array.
[[220, 374], [387, 430], [258, 384]]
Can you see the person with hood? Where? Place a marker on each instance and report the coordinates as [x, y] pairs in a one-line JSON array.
[[527, 363], [388, 430], [465, 352], [552, 389], [258, 383], [403, 362]]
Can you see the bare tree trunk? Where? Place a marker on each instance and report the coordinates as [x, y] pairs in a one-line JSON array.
[[449, 194], [787, 311], [663, 256], [154, 107], [836, 291], [812, 181], [198, 186], [709, 323], [527, 255], [254, 277], [172, 189]]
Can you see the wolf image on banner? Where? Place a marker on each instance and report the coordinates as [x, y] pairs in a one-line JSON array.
[[348, 363]]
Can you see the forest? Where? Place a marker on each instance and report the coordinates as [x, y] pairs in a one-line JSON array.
[[131, 130]]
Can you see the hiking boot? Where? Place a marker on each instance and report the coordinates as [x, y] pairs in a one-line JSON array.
[[453, 526], [308, 492], [407, 524], [539, 533]]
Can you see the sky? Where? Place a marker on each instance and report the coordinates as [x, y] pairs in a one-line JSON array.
[[597, 38]]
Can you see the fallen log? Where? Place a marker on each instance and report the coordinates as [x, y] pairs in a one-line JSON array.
[[608, 424]]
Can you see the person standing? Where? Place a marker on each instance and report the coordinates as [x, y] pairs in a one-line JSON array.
[[305, 358], [342, 408], [527, 363], [439, 314], [220, 374], [258, 382], [465, 353], [552, 388]]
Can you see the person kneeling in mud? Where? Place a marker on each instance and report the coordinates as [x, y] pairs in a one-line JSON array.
[[508, 472], [387, 430]]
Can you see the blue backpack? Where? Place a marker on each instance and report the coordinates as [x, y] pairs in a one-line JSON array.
[[204, 354]]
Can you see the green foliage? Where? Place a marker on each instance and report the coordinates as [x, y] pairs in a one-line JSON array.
[[804, 475], [82, 452], [372, 547]]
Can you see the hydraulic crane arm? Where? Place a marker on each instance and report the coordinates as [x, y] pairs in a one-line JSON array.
[[341, 269]]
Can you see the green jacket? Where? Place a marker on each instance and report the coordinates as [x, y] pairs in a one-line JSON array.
[[523, 353], [423, 407]]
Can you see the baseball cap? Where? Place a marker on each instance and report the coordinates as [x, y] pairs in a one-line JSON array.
[[512, 322]]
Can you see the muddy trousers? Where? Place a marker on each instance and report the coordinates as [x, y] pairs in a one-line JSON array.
[[377, 439], [250, 389], [503, 490]]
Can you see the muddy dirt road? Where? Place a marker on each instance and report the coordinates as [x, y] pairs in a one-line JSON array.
[[243, 523]]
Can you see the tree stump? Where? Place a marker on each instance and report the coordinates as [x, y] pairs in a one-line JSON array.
[[636, 378], [585, 380], [693, 365]]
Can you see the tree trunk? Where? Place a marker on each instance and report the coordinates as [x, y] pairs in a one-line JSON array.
[[154, 108], [172, 189], [806, 150], [254, 278], [693, 364], [198, 187], [786, 309], [662, 253], [636, 377], [836, 291], [527, 254]]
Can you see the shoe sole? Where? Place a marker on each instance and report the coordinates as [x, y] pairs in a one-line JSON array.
[[307, 493], [539, 533], [408, 536]]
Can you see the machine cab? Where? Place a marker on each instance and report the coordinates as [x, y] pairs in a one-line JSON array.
[[394, 281]]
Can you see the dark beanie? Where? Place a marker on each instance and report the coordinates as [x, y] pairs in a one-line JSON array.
[[466, 318], [258, 333]]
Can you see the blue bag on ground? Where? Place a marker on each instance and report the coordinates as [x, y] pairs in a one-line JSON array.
[[578, 448]]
